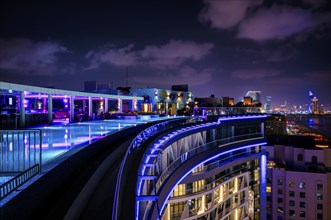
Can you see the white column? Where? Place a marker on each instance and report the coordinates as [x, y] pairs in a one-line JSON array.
[[106, 105], [262, 128], [22, 109], [90, 106], [72, 109], [120, 106], [50, 109]]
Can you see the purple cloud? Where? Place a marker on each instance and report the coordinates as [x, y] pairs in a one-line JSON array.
[[275, 23], [174, 53], [186, 75], [119, 57], [225, 14], [23, 56], [254, 74], [169, 55]]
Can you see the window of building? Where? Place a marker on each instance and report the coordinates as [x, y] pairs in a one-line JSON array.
[[314, 159], [319, 216], [319, 196], [319, 186], [268, 198], [292, 193], [291, 184], [292, 213], [268, 189], [302, 185], [280, 209], [320, 206], [302, 214], [291, 203], [280, 191], [302, 204], [302, 195], [280, 181], [300, 157], [280, 200], [269, 180]]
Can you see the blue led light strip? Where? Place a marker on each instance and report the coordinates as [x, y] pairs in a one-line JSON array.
[[211, 158], [240, 118]]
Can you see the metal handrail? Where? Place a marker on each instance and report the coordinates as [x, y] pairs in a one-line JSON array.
[[17, 181], [12, 141]]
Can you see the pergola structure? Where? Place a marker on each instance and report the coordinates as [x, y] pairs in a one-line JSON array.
[[25, 92]]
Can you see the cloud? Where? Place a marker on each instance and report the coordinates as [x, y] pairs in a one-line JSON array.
[[169, 55], [186, 75], [119, 57], [225, 14], [23, 56], [277, 22], [254, 74], [284, 53], [174, 53]]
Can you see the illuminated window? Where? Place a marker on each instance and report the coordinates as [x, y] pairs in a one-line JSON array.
[[292, 213], [280, 181], [302, 185], [280, 209], [268, 189], [291, 184], [319, 196]]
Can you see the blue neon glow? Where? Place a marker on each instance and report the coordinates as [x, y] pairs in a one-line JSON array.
[[240, 118], [263, 169], [211, 158]]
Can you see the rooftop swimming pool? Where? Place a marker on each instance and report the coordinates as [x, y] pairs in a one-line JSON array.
[[18, 151]]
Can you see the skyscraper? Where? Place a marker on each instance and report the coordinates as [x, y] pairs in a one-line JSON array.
[[315, 109], [256, 95], [267, 105], [311, 97]]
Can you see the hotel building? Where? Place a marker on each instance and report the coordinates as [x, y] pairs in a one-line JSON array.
[[298, 179]]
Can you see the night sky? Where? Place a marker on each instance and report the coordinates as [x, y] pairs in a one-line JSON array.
[[221, 47]]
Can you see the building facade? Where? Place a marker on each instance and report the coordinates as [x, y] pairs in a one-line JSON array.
[[214, 170], [298, 179], [163, 101]]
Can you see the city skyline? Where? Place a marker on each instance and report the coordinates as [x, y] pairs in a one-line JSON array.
[[224, 48]]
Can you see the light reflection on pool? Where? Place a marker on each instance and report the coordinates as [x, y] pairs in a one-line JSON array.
[[58, 139]]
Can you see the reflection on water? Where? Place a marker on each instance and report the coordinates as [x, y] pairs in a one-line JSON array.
[[320, 124], [58, 139], [62, 138]]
